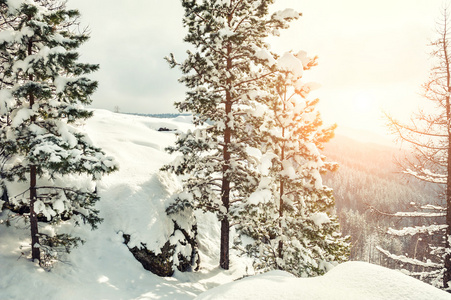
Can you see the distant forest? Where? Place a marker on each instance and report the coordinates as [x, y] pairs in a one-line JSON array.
[[368, 180]]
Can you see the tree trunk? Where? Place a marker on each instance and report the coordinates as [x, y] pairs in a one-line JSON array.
[[281, 200], [281, 188], [224, 260], [447, 271], [35, 251], [225, 189], [280, 250]]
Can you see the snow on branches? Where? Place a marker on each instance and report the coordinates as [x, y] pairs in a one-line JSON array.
[[292, 227], [43, 90], [230, 60], [428, 135]]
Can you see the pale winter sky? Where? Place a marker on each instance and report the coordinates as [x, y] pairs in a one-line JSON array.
[[373, 55]]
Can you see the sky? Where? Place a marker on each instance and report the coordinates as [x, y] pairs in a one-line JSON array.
[[373, 55]]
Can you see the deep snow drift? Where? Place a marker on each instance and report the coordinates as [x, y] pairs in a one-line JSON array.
[[133, 202]]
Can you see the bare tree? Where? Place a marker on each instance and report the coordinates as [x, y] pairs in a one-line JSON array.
[[429, 136]]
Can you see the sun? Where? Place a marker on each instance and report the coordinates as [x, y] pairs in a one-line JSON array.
[[363, 103]]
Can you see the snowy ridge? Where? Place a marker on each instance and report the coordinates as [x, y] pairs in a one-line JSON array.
[[133, 202]]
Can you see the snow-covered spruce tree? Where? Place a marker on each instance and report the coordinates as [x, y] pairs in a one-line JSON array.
[[290, 218], [429, 138], [229, 62], [41, 101]]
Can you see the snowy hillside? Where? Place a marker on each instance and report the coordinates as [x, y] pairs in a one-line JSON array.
[[133, 202]]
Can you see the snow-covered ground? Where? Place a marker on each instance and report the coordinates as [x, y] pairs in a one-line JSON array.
[[350, 281], [133, 202]]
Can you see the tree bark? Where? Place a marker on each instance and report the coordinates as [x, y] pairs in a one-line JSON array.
[[281, 198], [224, 260], [282, 183], [225, 189], [35, 251], [447, 271]]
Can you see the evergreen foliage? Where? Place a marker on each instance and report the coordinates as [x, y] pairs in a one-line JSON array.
[[43, 92], [229, 61], [290, 217]]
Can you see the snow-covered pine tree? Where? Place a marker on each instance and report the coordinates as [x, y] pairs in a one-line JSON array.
[[229, 60], [53, 165], [429, 138], [290, 218]]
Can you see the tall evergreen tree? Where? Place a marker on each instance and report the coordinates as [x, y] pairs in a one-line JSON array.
[[43, 90], [290, 217], [229, 60], [429, 135]]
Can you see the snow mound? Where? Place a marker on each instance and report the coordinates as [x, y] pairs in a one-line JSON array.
[[351, 280]]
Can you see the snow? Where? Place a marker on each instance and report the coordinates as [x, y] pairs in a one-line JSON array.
[[227, 32], [302, 56], [138, 188], [433, 207], [265, 55], [133, 201], [320, 218], [260, 196], [288, 62], [61, 82], [286, 13], [351, 280], [419, 214], [431, 229], [15, 4], [43, 54], [23, 114], [9, 35], [65, 132], [6, 100], [305, 88]]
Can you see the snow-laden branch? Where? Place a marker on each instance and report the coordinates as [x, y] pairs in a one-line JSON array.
[[418, 214], [408, 260], [433, 207], [427, 176], [416, 230], [407, 214]]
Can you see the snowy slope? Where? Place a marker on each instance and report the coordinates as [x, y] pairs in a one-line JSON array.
[[350, 281], [133, 202]]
